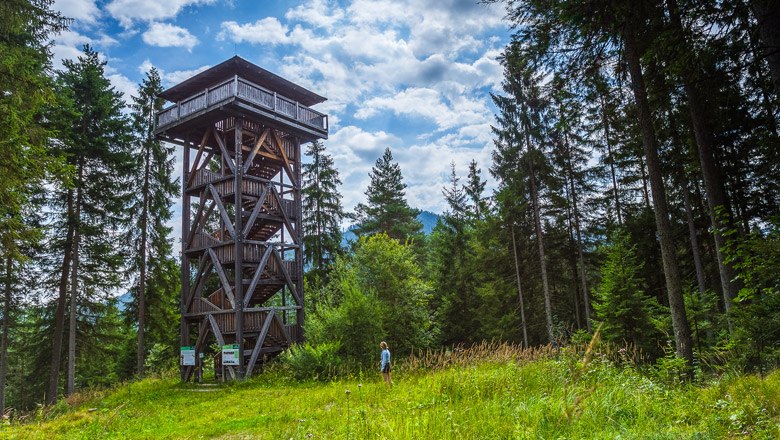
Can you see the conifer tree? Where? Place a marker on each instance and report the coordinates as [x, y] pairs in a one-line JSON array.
[[93, 134], [623, 307], [386, 209], [322, 211], [474, 189], [153, 189], [518, 160], [25, 92]]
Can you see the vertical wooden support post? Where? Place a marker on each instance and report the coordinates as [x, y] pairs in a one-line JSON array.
[[239, 239], [299, 314], [185, 261]]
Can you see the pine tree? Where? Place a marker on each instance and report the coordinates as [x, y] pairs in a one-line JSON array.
[[474, 189], [93, 135], [153, 189], [322, 211], [518, 160], [386, 209], [622, 305], [25, 28], [453, 278]]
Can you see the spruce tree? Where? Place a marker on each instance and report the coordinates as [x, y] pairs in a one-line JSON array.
[[623, 306], [474, 188], [89, 215], [153, 189], [25, 92], [386, 209], [322, 212], [518, 161]]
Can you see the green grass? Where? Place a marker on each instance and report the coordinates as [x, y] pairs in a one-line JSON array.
[[546, 398]]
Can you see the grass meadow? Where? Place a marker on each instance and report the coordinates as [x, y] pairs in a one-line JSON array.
[[490, 392]]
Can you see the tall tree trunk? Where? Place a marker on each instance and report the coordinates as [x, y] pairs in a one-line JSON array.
[[767, 14], [70, 384], [6, 325], [580, 254], [682, 330], [694, 239], [713, 181], [542, 259], [59, 314], [519, 290], [643, 173], [140, 351], [608, 141], [572, 255]]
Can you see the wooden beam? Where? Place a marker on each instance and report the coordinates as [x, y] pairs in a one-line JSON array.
[[200, 278], [202, 332], [287, 278], [280, 145], [259, 144], [256, 278], [284, 329], [217, 332], [260, 339], [195, 167], [199, 221], [222, 278], [225, 155], [222, 210], [260, 201], [294, 231]]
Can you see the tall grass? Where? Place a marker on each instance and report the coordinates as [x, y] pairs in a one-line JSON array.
[[490, 390]]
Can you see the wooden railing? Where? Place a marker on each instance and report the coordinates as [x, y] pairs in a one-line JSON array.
[[250, 92]]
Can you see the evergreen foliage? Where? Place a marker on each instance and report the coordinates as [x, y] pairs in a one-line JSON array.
[[623, 307], [322, 213], [156, 277], [386, 209]]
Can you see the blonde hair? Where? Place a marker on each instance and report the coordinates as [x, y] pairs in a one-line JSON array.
[[383, 344]]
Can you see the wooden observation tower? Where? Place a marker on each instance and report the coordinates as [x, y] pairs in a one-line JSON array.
[[242, 262]]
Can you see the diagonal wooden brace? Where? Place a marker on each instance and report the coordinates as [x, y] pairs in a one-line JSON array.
[[256, 278], [225, 155], [287, 278], [260, 340], [223, 278], [222, 211]]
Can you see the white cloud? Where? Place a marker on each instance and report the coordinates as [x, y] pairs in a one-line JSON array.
[[123, 84], [129, 11], [82, 10], [267, 30], [168, 35], [318, 13], [171, 78]]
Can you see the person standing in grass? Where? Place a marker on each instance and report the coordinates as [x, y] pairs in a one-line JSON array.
[[385, 364]]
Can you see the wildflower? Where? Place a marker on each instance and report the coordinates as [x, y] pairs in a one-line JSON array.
[[347, 392]]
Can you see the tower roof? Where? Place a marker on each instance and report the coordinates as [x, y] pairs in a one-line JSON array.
[[248, 71]]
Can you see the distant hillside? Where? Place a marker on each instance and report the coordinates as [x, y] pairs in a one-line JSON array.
[[427, 218]]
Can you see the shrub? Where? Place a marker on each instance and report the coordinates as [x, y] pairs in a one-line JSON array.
[[318, 362]]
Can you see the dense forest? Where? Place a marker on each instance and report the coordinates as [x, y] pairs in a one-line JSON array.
[[637, 170]]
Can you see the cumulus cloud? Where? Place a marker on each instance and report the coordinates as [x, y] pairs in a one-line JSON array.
[[85, 11], [129, 11], [381, 63], [264, 31], [168, 35], [171, 78]]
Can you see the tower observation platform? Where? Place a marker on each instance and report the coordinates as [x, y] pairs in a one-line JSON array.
[[241, 128]]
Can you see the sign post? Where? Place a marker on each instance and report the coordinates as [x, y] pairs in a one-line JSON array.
[[187, 357], [230, 354]]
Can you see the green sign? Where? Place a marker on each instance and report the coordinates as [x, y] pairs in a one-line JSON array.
[[230, 354], [187, 357]]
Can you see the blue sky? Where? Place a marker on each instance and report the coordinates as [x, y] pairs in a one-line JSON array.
[[407, 74]]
